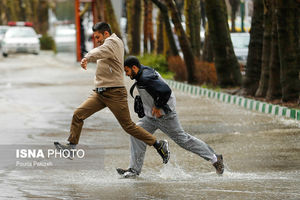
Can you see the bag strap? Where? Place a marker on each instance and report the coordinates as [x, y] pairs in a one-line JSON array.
[[132, 88]]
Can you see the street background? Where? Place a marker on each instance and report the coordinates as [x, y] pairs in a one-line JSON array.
[[38, 95]]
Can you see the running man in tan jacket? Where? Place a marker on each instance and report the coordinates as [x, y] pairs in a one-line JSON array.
[[109, 92]]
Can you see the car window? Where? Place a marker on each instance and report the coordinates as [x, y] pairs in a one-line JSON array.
[[20, 32], [2, 31]]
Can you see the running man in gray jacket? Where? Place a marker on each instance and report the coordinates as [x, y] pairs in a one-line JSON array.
[[158, 103]]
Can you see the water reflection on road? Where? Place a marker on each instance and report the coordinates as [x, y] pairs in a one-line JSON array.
[[39, 94]]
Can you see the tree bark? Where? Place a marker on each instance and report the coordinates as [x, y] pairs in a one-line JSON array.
[[253, 66], [228, 69], [208, 54], [42, 18], [274, 87], [99, 11], [164, 12], [3, 10], [192, 21], [134, 26], [145, 26], [159, 44], [203, 13], [111, 18], [288, 38], [264, 76], [183, 41], [197, 22], [12, 13], [148, 27], [234, 8]]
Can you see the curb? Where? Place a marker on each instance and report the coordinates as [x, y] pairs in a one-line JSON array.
[[249, 104]]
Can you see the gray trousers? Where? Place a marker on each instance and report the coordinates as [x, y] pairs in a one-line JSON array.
[[170, 125]]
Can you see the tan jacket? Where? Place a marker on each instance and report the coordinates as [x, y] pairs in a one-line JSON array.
[[110, 60]]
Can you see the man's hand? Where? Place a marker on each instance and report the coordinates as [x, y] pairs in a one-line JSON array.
[[83, 63], [156, 112]]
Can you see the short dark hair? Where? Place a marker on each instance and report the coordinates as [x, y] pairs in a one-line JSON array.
[[101, 27], [132, 60]]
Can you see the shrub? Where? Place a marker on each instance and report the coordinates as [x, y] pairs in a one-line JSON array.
[[47, 43], [157, 62], [176, 65], [205, 72]]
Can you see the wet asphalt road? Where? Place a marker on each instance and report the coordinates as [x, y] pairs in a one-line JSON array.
[[38, 95]]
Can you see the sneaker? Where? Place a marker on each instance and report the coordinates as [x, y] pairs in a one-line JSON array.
[[127, 173], [66, 149], [163, 150], [219, 165]]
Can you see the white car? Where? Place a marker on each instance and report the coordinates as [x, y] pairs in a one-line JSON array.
[[20, 40], [65, 38], [3, 30], [240, 43]]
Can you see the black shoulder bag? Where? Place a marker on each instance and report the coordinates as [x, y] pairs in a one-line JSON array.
[[138, 104]]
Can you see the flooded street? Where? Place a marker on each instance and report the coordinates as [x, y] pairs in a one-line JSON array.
[[38, 95]]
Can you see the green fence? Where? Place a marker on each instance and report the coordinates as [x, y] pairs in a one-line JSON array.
[[249, 104]]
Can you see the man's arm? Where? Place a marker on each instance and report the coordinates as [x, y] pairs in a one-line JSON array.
[[159, 91], [103, 51]]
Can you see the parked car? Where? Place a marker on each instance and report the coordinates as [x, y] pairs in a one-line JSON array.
[[240, 43], [3, 30], [19, 39], [65, 38]]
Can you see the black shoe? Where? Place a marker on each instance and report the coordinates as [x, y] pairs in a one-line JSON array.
[[127, 173], [163, 150], [66, 149], [219, 165]]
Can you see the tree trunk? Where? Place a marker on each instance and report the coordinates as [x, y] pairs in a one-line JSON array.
[[111, 18], [3, 10], [145, 24], [26, 10], [179, 6], [22, 14], [12, 13], [42, 18], [234, 8], [99, 11], [167, 51], [159, 45], [164, 12], [208, 54], [228, 69], [289, 48], [192, 21], [203, 13], [253, 66], [134, 26], [197, 22], [35, 7], [148, 27], [264, 76], [274, 87], [183, 41]]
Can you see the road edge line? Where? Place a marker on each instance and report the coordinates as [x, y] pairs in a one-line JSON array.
[[249, 104]]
